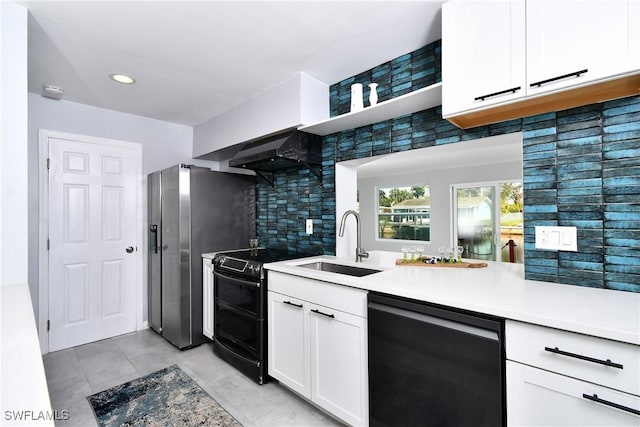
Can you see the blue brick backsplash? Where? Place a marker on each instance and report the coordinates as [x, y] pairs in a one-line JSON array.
[[581, 167], [282, 211], [415, 70]]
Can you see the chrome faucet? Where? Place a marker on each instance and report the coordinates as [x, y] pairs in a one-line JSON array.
[[360, 252]]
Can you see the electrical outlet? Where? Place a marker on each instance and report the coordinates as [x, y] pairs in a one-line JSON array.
[[557, 238], [309, 226]]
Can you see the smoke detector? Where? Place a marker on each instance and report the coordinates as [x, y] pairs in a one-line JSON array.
[[51, 91]]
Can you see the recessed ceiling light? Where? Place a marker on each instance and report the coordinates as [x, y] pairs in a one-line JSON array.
[[122, 78]]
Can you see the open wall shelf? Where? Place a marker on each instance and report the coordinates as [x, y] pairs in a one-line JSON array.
[[411, 102]]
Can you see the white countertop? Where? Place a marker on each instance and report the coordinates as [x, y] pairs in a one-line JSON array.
[[499, 289], [24, 399]]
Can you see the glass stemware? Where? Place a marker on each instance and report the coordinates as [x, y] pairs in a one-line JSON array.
[[452, 255], [460, 251]]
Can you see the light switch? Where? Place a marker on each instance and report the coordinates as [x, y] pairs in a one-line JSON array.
[[557, 238], [309, 226]]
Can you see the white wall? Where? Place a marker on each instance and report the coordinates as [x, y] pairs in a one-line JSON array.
[[13, 153], [346, 199], [163, 144], [439, 182]]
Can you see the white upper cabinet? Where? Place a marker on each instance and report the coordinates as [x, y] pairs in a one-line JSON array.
[[571, 42], [499, 56], [483, 53]]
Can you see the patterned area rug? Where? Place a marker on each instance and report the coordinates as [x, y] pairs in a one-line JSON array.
[[168, 397]]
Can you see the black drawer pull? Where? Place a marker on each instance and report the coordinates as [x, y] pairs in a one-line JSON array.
[[607, 362], [564, 76], [502, 92], [324, 314], [595, 398], [290, 303]]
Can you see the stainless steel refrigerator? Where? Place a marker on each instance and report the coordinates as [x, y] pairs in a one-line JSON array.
[[192, 210]]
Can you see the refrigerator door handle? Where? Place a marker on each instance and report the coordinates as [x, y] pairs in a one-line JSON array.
[[153, 238]]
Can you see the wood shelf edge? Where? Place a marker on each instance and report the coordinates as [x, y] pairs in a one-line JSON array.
[[589, 94]]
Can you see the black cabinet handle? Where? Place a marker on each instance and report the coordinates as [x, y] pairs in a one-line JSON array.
[[564, 76], [595, 398], [290, 303], [502, 92], [607, 362], [324, 314], [153, 238]]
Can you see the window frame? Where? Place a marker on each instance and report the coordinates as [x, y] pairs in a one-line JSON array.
[[378, 238]]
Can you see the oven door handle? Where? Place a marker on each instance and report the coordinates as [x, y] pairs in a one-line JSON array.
[[235, 354], [236, 281]]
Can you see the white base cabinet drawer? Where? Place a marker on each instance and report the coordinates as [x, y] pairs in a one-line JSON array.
[[609, 363], [540, 398], [343, 298]]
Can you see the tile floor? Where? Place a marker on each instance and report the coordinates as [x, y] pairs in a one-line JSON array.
[[75, 373]]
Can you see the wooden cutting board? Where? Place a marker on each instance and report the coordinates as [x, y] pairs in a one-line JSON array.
[[462, 264]]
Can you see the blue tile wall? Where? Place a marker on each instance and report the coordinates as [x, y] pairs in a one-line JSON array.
[[283, 209], [581, 167], [415, 70]]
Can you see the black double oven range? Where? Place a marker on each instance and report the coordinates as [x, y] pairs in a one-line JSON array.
[[240, 308]]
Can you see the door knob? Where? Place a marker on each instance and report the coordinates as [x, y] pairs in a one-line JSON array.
[[129, 249]]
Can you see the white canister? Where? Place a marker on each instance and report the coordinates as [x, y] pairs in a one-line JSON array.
[[357, 103]]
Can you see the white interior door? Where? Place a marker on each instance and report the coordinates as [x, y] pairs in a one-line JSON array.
[[92, 232]]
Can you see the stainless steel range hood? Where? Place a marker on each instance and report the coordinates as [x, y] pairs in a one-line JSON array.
[[283, 151]]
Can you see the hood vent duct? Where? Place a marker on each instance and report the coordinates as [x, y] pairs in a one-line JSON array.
[[279, 152]]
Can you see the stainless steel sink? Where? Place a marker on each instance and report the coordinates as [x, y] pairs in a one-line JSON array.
[[340, 269]]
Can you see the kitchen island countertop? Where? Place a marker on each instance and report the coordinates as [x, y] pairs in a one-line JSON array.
[[498, 289]]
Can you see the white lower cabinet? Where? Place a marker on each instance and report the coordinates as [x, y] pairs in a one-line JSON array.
[[560, 378], [338, 356], [207, 298], [288, 339], [318, 349]]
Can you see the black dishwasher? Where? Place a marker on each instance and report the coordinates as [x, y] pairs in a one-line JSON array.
[[434, 366]]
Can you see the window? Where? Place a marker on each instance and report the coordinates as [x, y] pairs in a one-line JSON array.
[[486, 228], [404, 213]]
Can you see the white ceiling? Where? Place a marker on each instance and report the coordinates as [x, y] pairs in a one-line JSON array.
[[195, 60]]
